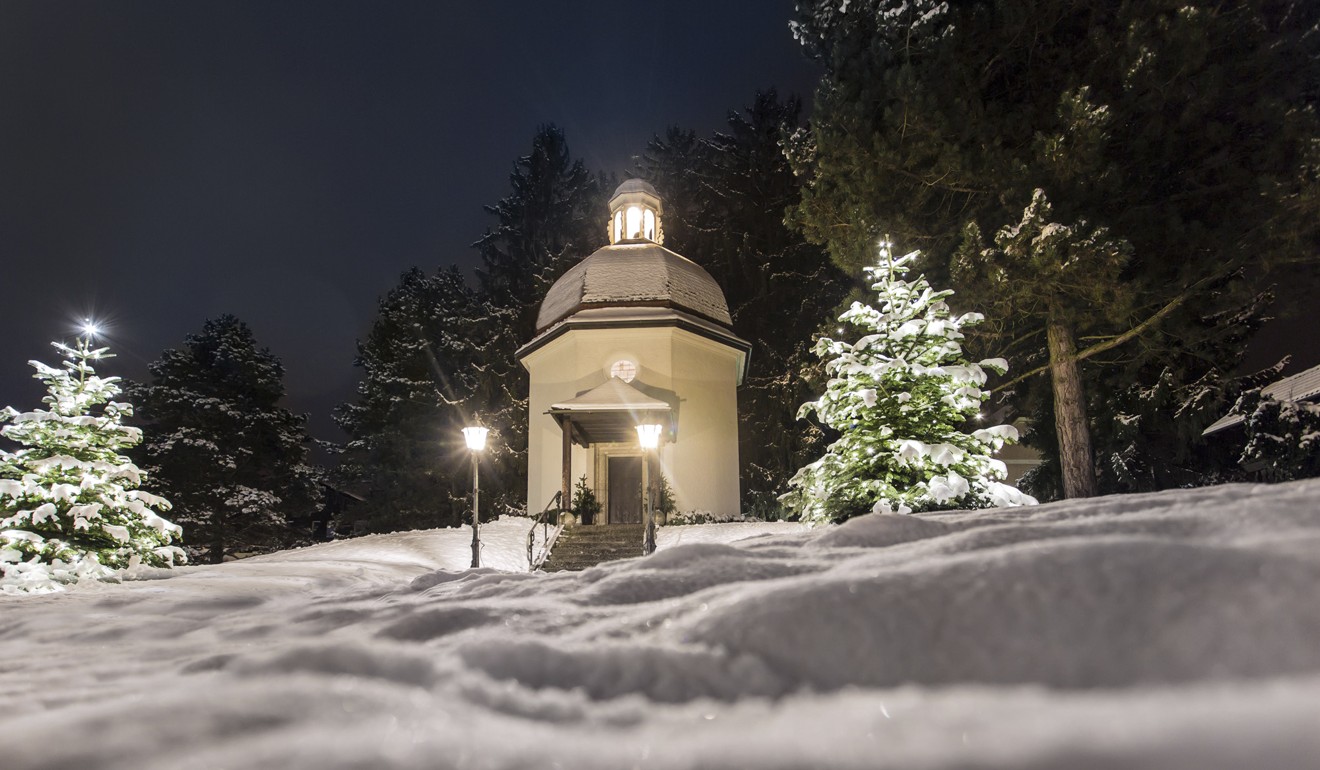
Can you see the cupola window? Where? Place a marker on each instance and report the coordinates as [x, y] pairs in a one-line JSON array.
[[634, 228]]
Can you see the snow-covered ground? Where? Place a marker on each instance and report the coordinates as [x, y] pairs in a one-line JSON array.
[[1177, 630], [669, 537]]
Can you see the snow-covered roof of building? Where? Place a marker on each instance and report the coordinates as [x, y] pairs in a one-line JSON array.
[[1303, 386], [634, 274]]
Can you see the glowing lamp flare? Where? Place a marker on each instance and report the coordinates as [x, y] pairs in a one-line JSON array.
[[475, 438], [649, 435], [91, 328]]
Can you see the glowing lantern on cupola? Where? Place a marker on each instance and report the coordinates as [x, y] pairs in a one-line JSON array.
[[635, 334], [635, 211]]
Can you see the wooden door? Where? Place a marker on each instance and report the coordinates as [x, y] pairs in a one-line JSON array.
[[625, 479]]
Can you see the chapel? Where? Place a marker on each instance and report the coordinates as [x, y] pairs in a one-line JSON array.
[[634, 335]]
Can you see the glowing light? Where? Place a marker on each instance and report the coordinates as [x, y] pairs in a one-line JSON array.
[[648, 225], [475, 438], [90, 328], [634, 222], [980, 416], [649, 435]]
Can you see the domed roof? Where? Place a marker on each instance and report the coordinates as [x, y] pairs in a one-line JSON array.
[[634, 186], [636, 274]]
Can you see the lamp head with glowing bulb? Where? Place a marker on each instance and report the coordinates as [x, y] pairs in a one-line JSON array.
[[649, 435], [475, 437]]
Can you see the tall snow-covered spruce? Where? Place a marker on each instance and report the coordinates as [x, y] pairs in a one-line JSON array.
[[220, 445], [899, 396], [69, 503]]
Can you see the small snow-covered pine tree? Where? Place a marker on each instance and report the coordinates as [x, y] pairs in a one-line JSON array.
[[900, 396], [69, 503]]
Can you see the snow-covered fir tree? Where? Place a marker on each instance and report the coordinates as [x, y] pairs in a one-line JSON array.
[[1283, 437], [547, 223], [899, 396], [425, 371], [230, 458], [70, 507]]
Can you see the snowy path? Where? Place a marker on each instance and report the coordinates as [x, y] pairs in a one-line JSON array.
[[1172, 630]]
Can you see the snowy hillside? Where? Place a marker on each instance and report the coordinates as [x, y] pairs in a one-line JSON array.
[[1177, 630]]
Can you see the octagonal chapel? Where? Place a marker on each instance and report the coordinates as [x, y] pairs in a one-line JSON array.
[[634, 334]]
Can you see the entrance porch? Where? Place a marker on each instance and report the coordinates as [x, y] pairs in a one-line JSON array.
[[604, 420]]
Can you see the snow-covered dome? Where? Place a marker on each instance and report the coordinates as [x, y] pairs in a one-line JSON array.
[[635, 275], [635, 270], [635, 185]]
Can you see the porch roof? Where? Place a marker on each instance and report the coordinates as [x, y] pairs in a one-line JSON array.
[[610, 412]]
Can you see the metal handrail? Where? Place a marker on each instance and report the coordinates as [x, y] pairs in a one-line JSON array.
[[542, 518]]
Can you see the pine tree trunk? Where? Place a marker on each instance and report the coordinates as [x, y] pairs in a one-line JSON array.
[[1070, 421]]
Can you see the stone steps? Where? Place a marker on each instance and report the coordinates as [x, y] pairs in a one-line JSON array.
[[581, 547]]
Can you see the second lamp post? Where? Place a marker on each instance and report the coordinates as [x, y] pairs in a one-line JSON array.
[[649, 437], [476, 441]]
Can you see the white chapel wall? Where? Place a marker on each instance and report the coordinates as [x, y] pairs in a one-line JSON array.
[[702, 467], [705, 459]]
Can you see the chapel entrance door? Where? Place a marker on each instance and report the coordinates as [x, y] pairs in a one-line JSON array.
[[625, 494]]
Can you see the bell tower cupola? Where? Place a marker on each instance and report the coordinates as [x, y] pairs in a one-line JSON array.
[[635, 211]]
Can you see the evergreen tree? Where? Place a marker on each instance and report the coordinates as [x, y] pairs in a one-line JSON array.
[[424, 365], [549, 222], [221, 447], [1053, 274], [725, 200], [1283, 437], [1188, 132], [1153, 439], [70, 507], [899, 396], [441, 355]]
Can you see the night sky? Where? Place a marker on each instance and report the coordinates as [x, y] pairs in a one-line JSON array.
[[162, 163]]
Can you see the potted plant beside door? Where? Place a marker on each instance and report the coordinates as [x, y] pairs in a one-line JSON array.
[[585, 505]]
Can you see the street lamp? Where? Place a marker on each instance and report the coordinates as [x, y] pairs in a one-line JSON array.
[[649, 437], [476, 441]]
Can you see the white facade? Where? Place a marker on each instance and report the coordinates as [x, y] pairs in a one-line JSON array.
[[657, 319]]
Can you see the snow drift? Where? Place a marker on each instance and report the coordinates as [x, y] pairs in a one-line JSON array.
[[1177, 629]]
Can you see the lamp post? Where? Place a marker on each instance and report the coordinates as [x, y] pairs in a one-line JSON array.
[[649, 437], [476, 441]]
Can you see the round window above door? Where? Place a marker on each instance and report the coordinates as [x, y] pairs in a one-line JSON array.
[[624, 369]]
